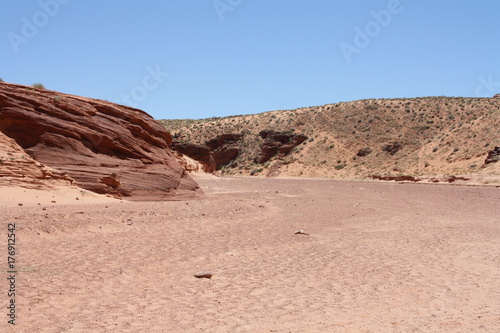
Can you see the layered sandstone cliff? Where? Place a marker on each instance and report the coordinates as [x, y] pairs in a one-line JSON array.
[[104, 147]]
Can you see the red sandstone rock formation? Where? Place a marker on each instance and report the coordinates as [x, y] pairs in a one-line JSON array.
[[105, 147], [397, 178], [277, 143], [224, 148], [200, 153], [18, 169], [214, 153], [493, 156], [393, 148]]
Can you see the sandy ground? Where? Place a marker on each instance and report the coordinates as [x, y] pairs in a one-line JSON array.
[[19, 196], [378, 257]]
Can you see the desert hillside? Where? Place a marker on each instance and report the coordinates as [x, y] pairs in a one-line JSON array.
[[418, 137]]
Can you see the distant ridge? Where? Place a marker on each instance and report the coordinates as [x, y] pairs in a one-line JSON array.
[[418, 137]]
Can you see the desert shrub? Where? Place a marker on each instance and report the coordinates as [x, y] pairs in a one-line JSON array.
[[38, 85], [392, 148], [340, 166], [256, 171], [1, 80], [364, 152]]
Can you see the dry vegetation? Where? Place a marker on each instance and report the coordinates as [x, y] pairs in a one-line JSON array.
[[436, 136]]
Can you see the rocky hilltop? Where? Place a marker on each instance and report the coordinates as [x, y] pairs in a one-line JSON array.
[[100, 146], [415, 138]]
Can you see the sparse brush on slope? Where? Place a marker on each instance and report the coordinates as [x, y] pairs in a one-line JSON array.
[[393, 137], [38, 85]]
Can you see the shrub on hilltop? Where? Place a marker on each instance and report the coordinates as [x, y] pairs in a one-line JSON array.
[[38, 85]]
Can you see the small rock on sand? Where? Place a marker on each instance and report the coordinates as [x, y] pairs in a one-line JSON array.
[[206, 275]]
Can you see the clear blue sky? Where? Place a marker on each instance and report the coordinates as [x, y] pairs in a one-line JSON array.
[[251, 56]]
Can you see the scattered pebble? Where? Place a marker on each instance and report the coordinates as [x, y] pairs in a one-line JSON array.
[[201, 275], [301, 232]]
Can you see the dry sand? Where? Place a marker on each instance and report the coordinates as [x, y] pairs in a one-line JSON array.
[[19, 196], [379, 257]]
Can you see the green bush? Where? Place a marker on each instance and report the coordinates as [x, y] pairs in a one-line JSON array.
[[38, 85]]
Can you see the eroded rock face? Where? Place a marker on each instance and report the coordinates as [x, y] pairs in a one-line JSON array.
[[447, 179], [215, 153], [277, 143], [17, 168], [393, 148], [224, 148], [364, 152], [189, 164], [106, 148], [223, 140], [397, 178], [200, 153], [493, 156]]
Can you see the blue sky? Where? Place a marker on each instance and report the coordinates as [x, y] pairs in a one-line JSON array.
[[204, 58]]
